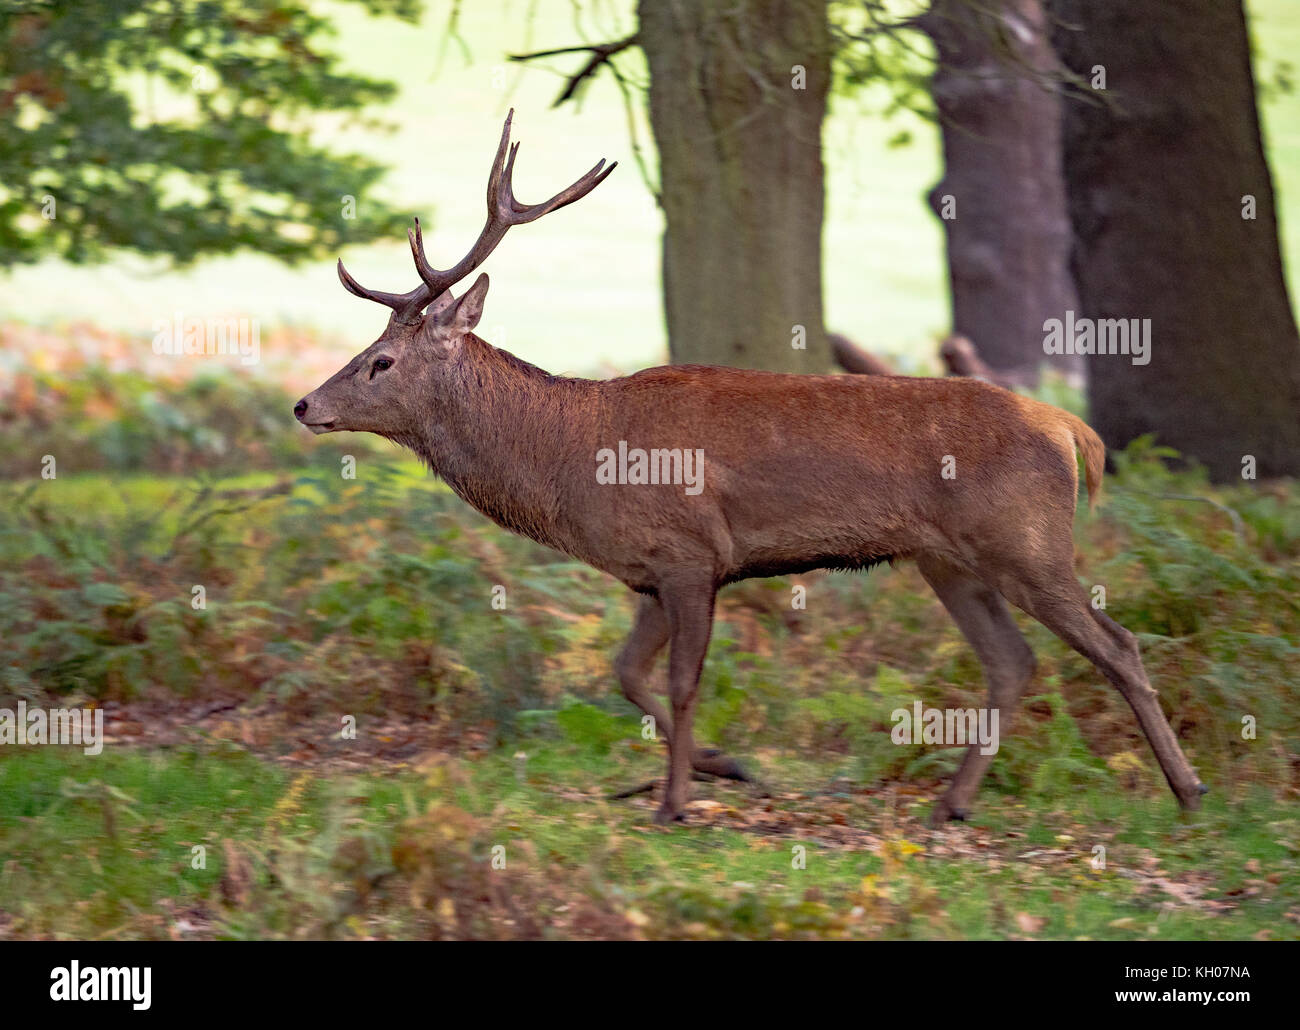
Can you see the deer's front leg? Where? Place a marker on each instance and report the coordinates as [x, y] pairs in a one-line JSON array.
[[634, 665], [689, 607], [637, 659]]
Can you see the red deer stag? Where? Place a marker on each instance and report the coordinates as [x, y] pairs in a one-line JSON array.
[[749, 474]]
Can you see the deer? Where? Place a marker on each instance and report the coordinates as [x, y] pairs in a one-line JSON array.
[[975, 484]]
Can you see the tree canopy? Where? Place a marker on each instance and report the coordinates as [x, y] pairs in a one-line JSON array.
[[179, 128]]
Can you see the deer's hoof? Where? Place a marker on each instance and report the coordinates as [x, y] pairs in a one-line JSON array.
[[943, 812], [669, 816]]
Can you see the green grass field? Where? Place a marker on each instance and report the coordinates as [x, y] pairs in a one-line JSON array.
[[395, 852]]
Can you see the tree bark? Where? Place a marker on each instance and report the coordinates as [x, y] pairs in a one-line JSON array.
[[741, 177], [1156, 175], [1001, 199]]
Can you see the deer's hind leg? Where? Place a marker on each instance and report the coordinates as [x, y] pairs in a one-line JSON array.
[[985, 620], [1050, 592]]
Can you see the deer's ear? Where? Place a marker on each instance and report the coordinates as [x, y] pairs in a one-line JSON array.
[[467, 311], [440, 307], [449, 319]]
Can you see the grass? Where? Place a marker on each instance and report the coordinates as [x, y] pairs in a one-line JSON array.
[[384, 854]]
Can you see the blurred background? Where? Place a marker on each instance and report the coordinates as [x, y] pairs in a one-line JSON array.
[[806, 186], [583, 290]]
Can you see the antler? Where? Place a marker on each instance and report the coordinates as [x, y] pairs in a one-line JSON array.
[[503, 212], [404, 305]]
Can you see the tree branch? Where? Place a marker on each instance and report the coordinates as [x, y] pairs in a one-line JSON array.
[[600, 54]]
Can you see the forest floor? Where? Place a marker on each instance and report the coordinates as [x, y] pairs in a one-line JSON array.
[[213, 833]]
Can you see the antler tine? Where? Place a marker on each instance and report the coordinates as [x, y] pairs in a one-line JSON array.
[[403, 304], [516, 213], [503, 212], [416, 239], [494, 178], [524, 213]]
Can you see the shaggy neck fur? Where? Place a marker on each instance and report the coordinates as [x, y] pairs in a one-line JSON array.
[[494, 437]]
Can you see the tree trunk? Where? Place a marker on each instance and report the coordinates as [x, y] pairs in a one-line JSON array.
[[737, 95], [1001, 199], [1157, 175]]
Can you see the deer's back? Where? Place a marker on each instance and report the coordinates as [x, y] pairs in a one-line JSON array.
[[816, 471]]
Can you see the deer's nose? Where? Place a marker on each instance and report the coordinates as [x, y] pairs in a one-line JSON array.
[[300, 409]]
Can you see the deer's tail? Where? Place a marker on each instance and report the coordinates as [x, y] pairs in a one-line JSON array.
[[1093, 451]]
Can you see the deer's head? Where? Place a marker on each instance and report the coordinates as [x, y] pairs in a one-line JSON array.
[[395, 382]]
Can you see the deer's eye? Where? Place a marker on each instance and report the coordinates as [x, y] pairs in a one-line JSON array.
[[380, 365]]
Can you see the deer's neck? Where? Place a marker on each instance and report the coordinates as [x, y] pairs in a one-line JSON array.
[[505, 437]]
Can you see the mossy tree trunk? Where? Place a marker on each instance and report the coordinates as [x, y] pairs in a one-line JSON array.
[[1174, 220], [1001, 199], [738, 93]]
